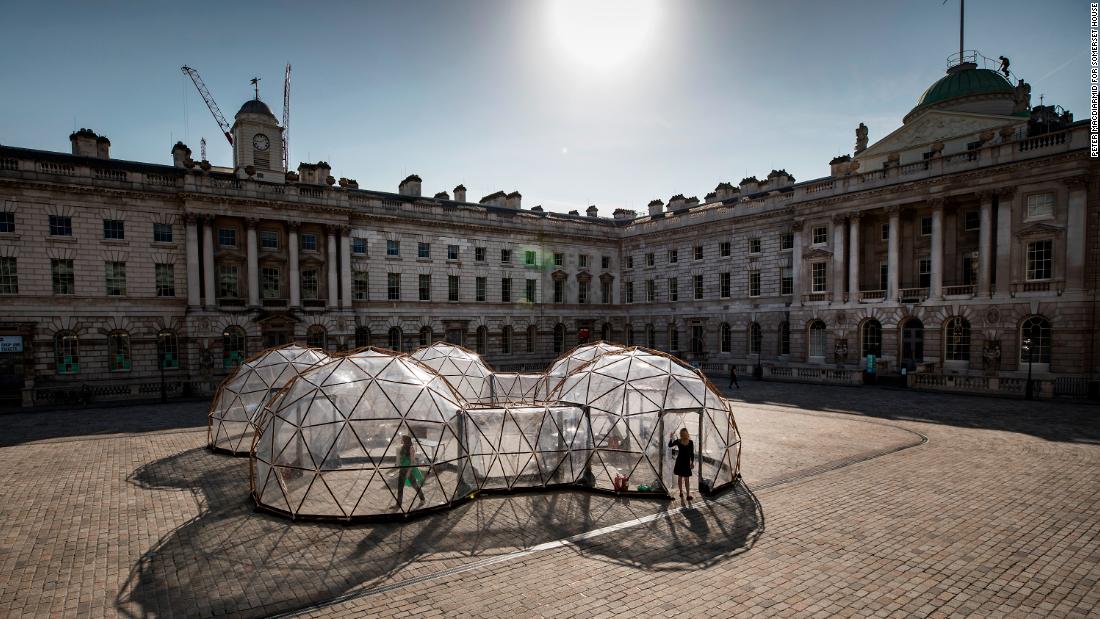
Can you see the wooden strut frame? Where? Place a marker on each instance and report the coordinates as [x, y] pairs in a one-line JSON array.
[[216, 400], [264, 416]]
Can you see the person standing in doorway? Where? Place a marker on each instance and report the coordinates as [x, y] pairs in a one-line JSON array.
[[685, 461], [409, 475], [733, 376]]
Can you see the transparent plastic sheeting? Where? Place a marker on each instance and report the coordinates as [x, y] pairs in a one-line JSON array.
[[637, 400], [370, 433], [239, 400], [463, 368], [377, 433]]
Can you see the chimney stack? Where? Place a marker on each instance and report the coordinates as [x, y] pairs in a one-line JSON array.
[[410, 186], [460, 193], [592, 211], [180, 155], [676, 202], [443, 195], [85, 144], [725, 191], [656, 207], [624, 214], [513, 200], [497, 198], [314, 173], [103, 147]]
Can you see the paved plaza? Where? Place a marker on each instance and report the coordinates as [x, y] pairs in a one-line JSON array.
[[854, 502]]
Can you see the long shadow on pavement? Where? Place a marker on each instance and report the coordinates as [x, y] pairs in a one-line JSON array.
[[24, 427], [232, 559]]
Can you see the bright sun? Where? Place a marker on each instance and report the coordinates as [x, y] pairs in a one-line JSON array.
[[602, 34]]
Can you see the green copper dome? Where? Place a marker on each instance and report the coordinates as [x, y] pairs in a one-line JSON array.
[[964, 81]]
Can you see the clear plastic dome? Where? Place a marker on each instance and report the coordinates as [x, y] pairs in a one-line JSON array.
[[573, 359], [241, 397], [639, 399], [367, 434], [463, 369]]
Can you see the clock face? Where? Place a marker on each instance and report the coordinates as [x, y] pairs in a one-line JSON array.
[[260, 142]]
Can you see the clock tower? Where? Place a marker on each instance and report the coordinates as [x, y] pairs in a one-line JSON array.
[[258, 142]]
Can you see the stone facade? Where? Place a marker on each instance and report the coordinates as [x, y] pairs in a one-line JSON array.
[[937, 249]]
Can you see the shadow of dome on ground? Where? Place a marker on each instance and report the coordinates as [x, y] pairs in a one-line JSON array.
[[231, 559]]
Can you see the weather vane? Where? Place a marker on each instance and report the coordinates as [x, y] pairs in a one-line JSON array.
[[256, 84]]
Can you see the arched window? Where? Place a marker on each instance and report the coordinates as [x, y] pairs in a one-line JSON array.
[[66, 350], [506, 340], [532, 333], [1035, 338], [316, 337], [233, 347], [756, 338], [394, 338], [871, 338], [168, 355], [362, 337], [118, 351], [425, 336], [725, 337], [817, 339], [650, 336], [784, 338], [605, 333], [481, 342], [629, 335], [956, 337]]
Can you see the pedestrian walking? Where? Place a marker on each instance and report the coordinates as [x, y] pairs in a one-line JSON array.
[[733, 377], [685, 461], [408, 475]]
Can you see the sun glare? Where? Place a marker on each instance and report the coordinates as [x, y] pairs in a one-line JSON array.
[[603, 34]]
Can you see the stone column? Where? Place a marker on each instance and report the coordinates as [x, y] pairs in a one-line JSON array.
[[1003, 274], [985, 245], [796, 263], [839, 272], [295, 276], [253, 264], [853, 256], [892, 252], [194, 284], [331, 258], [345, 267], [936, 288], [208, 261], [1076, 225]]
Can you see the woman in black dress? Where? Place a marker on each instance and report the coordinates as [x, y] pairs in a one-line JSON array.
[[685, 461]]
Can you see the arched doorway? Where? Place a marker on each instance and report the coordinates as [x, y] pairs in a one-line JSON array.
[[912, 343]]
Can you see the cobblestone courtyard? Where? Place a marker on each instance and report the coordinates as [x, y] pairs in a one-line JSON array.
[[855, 502]]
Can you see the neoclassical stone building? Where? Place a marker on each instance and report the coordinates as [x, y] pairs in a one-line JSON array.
[[959, 247]]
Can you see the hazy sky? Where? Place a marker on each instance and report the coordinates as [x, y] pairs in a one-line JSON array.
[[569, 104]]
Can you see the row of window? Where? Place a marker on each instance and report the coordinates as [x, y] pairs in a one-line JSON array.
[[66, 347], [63, 277], [725, 286]]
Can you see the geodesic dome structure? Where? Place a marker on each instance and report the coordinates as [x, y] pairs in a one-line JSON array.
[[241, 397], [636, 399], [573, 359], [461, 367], [367, 434], [377, 433]]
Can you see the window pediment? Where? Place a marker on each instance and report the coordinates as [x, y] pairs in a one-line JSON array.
[[817, 253], [1035, 230]]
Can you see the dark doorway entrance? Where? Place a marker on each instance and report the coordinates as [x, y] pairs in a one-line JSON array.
[[912, 343]]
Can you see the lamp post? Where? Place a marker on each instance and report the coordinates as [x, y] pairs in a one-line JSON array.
[[1028, 393]]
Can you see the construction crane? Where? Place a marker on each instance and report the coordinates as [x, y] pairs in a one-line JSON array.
[[286, 120], [209, 99]]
